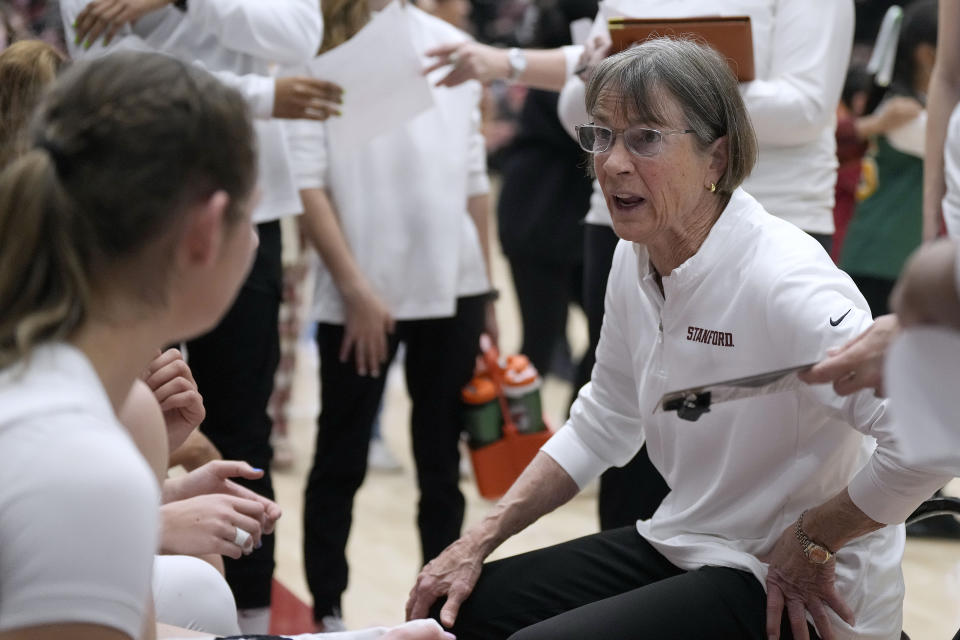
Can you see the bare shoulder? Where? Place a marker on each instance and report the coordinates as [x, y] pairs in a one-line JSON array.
[[143, 419]]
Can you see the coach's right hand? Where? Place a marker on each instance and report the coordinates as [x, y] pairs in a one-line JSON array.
[[453, 574]]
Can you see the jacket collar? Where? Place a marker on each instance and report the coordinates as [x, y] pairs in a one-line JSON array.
[[722, 234]]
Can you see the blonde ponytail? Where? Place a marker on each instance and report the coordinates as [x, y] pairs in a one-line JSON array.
[[43, 289], [121, 147]]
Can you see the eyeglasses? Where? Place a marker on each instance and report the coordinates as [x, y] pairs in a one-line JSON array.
[[640, 141]]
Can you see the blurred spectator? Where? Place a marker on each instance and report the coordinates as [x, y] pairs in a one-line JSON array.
[[855, 128], [22, 19], [544, 194], [887, 224], [850, 150]]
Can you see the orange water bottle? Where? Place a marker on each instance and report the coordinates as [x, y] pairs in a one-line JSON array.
[[483, 419], [521, 386]]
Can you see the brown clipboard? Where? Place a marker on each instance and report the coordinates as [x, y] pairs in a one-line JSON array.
[[730, 35]]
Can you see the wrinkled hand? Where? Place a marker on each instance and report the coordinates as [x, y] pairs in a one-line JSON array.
[[801, 586], [859, 363], [368, 322], [418, 630], [214, 478], [172, 383], [595, 49], [109, 16], [208, 524], [306, 98], [470, 61], [927, 290], [898, 111], [453, 573]]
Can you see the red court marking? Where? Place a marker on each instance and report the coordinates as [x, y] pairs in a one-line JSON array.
[[289, 615]]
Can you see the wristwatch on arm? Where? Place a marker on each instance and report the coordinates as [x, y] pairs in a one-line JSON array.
[[518, 63], [815, 552]]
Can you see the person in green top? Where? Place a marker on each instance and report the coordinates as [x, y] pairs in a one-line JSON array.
[[887, 223]]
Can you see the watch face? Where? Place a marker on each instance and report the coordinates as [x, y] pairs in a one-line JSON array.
[[817, 554]]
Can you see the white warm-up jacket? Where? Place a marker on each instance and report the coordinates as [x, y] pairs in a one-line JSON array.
[[237, 41], [746, 470]]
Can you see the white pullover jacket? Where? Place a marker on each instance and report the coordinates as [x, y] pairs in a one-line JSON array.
[[746, 470], [236, 40]]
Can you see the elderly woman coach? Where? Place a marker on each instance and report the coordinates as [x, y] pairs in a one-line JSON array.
[[776, 521]]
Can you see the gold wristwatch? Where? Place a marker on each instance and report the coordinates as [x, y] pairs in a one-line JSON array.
[[816, 553]]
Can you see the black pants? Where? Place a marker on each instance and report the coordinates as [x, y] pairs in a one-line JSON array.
[[877, 292], [544, 292], [599, 244], [637, 489], [234, 366], [439, 361], [611, 585]]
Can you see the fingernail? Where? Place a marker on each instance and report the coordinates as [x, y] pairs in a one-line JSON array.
[[256, 469], [88, 44], [258, 545], [337, 113]]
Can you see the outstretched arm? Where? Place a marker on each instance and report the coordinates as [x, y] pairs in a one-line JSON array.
[[541, 488]]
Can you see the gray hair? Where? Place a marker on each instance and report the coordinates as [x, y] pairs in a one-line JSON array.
[[701, 82]]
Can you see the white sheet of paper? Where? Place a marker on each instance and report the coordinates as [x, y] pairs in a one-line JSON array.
[[922, 378], [381, 74]]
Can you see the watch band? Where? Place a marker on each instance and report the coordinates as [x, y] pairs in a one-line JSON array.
[[518, 63], [814, 551]]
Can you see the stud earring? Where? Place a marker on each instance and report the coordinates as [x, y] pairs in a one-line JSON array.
[[712, 187]]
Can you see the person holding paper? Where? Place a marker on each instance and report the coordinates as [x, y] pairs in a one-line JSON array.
[[234, 365], [399, 218], [781, 520]]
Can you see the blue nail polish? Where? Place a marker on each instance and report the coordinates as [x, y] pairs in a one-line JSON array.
[[256, 469], [258, 545]]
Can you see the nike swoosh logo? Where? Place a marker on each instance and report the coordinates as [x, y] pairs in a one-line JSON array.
[[834, 323]]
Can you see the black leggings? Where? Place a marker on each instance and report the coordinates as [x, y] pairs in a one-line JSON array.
[[440, 355], [877, 292], [612, 585], [635, 490], [234, 366], [544, 292]]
